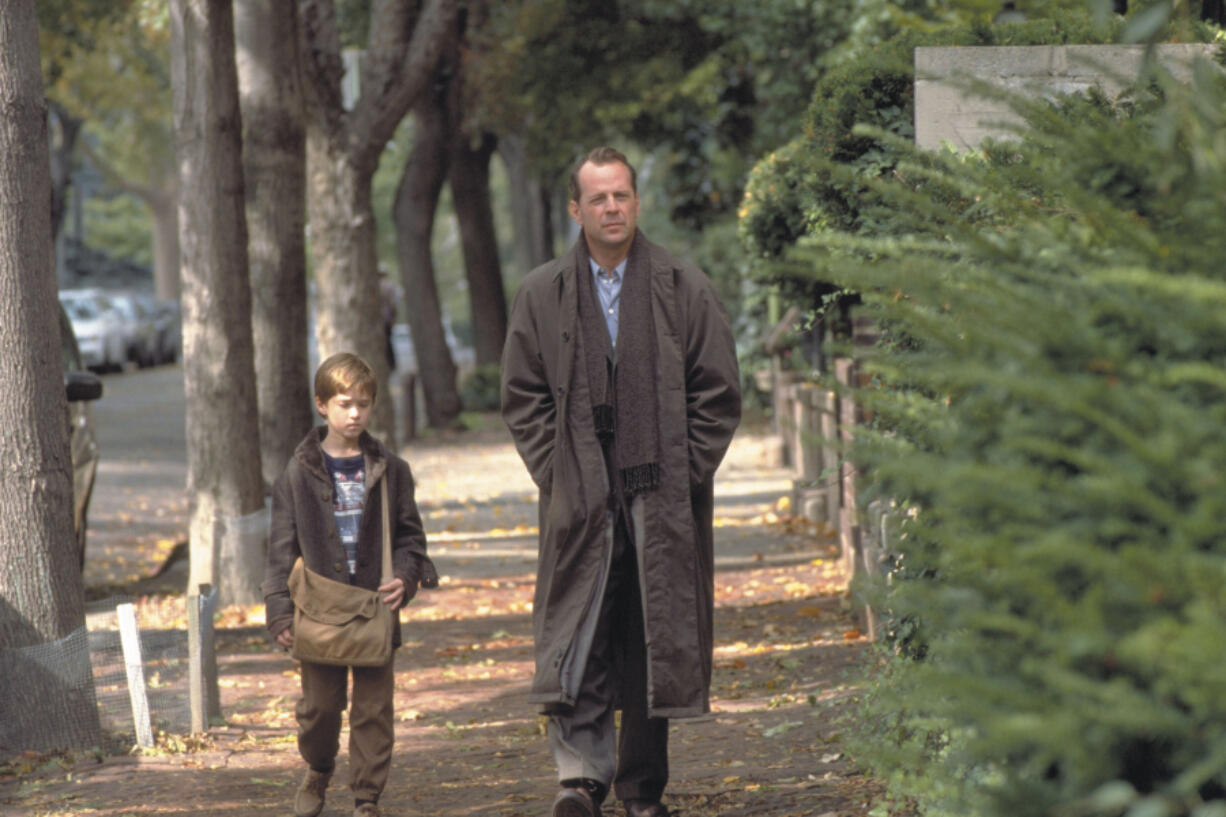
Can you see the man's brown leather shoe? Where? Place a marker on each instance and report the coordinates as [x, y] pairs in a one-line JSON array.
[[645, 808], [575, 802]]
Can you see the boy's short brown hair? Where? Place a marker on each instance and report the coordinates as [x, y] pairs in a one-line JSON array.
[[344, 373]]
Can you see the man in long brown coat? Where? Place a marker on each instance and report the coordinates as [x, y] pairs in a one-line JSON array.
[[620, 387]]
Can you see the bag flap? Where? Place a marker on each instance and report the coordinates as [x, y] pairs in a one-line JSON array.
[[328, 600]]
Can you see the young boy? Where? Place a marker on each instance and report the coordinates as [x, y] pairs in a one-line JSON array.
[[326, 508]]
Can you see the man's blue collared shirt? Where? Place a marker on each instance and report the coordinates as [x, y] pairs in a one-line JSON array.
[[609, 291]]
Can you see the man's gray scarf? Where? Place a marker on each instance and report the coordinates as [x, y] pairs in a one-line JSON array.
[[623, 396]]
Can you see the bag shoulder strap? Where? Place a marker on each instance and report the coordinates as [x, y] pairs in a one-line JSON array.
[[387, 535]]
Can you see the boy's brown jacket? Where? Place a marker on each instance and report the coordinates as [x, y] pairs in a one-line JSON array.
[[304, 524]]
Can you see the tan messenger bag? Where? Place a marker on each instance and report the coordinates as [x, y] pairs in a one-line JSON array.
[[340, 624]]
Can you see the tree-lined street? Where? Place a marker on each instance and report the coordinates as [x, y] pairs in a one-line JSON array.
[[468, 742]]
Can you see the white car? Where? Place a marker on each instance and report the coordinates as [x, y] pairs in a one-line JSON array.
[[140, 328], [99, 329]]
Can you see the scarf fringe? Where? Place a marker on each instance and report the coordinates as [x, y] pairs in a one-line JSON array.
[[641, 478]]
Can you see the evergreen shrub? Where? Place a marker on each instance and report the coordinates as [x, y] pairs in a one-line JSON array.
[[1054, 427], [795, 191]]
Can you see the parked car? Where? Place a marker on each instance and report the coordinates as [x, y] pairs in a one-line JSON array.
[[98, 329], [169, 328], [140, 330], [81, 387]]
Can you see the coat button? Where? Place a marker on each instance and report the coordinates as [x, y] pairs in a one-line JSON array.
[[565, 337], [337, 567], [561, 390]]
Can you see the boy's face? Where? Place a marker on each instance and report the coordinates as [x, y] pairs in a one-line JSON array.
[[347, 414]]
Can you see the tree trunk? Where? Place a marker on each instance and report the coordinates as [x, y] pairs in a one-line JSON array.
[[65, 131], [274, 166], [227, 539], [165, 210], [413, 214], [343, 149], [530, 212], [470, 194], [44, 659], [348, 313]]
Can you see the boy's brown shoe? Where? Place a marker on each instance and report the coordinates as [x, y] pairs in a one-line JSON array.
[[367, 810], [309, 799]]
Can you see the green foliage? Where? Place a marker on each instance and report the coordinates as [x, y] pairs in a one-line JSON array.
[[479, 390], [862, 111], [119, 226], [797, 190], [69, 28], [707, 86], [1054, 426], [115, 76]]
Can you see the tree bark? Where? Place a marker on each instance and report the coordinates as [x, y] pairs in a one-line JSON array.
[[343, 149], [413, 213], [227, 549], [530, 211], [41, 594], [66, 128], [470, 194], [165, 210], [274, 166]]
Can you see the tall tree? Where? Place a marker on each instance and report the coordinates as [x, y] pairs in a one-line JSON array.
[[41, 594], [274, 170], [107, 71], [469, 177], [414, 212], [222, 438], [531, 205], [445, 149], [343, 150]]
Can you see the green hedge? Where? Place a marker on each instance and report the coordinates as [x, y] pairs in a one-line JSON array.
[[796, 190], [1054, 429]]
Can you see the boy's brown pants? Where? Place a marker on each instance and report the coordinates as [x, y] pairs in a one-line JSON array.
[[370, 722]]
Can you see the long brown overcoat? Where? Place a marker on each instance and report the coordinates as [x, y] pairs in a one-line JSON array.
[[304, 524], [547, 408]]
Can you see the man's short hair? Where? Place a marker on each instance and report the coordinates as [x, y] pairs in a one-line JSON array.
[[344, 373], [601, 156]]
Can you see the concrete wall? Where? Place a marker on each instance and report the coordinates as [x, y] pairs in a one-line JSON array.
[[945, 111]]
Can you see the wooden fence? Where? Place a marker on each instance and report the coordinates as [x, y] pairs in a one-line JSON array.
[[817, 424]]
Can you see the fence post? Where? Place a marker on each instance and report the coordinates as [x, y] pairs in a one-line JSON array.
[[808, 492], [774, 345], [849, 522], [205, 698], [828, 423], [134, 664]]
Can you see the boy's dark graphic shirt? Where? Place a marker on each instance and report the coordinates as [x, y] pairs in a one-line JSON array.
[[348, 497]]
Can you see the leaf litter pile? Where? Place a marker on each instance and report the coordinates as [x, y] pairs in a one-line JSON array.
[[467, 740]]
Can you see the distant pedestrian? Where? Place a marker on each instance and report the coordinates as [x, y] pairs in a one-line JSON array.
[[327, 509], [620, 387]]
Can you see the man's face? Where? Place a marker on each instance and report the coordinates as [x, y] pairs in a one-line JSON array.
[[607, 209], [347, 414]]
